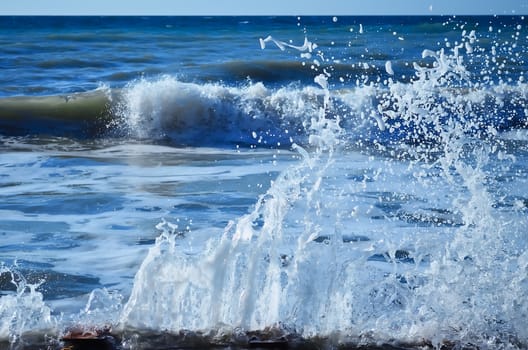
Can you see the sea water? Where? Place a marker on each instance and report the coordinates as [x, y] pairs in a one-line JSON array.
[[334, 181]]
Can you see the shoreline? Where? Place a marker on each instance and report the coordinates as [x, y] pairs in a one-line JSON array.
[[105, 338]]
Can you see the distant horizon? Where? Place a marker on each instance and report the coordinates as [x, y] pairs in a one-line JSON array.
[[269, 8], [261, 15]]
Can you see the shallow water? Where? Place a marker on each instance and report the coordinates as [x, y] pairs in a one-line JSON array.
[[198, 181]]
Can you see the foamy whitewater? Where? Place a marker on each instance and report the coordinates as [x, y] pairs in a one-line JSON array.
[[317, 182]]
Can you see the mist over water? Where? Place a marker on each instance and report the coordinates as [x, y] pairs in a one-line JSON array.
[[381, 201]]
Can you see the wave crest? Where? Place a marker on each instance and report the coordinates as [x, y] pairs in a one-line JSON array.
[[189, 113]]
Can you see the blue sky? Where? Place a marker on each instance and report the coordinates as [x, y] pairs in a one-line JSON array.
[[262, 7]]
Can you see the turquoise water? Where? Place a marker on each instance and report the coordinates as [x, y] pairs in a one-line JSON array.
[[337, 181]]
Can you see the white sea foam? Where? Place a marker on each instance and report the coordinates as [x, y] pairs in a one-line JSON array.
[[187, 113]]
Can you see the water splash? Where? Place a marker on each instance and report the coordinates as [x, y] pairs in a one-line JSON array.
[[23, 311], [430, 262]]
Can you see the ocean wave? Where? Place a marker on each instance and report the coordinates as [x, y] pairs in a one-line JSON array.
[[286, 71], [189, 113], [74, 115], [213, 114]]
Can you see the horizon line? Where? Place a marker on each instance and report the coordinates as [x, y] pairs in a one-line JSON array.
[[256, 15]]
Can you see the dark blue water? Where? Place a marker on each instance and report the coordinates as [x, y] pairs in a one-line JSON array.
[[52, 55], [334, 180]]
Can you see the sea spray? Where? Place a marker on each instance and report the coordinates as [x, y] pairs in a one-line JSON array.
[[480, 251], [240, 281], [24, 311], [311, 259]]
